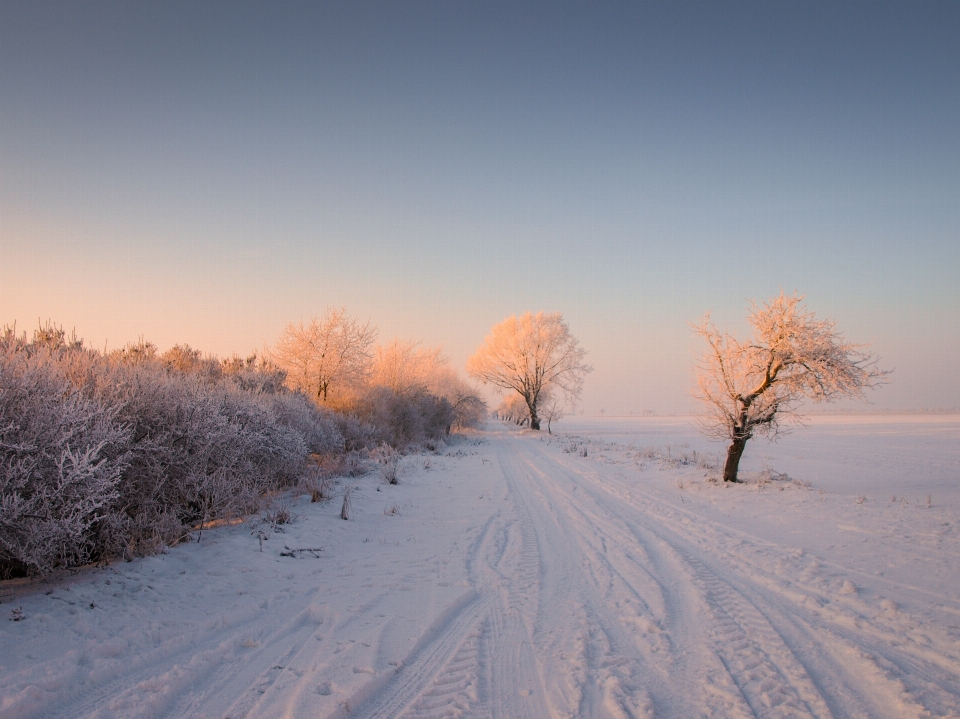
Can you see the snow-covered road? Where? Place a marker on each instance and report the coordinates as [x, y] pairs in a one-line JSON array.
[[649, 609], [513, 576]]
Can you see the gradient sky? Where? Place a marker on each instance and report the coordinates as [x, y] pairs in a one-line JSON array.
[[206, 172]]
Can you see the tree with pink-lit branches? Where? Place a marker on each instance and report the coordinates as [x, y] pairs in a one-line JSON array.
[[751, 388], [327, 354], [529, 353]]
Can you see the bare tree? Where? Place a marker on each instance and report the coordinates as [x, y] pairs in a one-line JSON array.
[[468, 408], [553, 407], [750, 388], [329, 353], [527, 353]]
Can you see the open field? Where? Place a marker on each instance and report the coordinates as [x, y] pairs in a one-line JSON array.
[[598, 572]]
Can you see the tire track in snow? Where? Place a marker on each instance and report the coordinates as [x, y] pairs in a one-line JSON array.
[[810, 658], [455, 689], [278, 670], [664, 618], [873, 674], [396, 692], [776, 692], [147, 676], [275, 652], [480, 662], [478, 659], [882, 659], [738, 635], [772, 680], [581, 646], [814, 672]]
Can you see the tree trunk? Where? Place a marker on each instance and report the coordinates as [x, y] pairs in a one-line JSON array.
[[534, 419], [734, 452]]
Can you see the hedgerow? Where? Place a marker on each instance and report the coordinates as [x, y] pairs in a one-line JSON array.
[[117, 454]]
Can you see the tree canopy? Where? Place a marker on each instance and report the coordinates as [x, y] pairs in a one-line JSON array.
[[329, 352], [528, 354]]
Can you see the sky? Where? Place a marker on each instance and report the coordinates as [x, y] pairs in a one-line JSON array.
[[204, 173]]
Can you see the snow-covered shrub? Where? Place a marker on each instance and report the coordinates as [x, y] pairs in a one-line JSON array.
[[468, 410], [252, 374], [197, 449], [391, 472], [278, 515], [255, 374], [316, 484], [402, 419], [185, 359], [358, 434], [438, 416], [61, 460], [318, 426], [109, 454], [349, 464], [117, 454]]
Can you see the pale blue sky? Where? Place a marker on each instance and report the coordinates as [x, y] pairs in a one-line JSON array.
[[206, 172]]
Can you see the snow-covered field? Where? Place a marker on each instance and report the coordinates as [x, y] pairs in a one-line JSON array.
[[595, 573]]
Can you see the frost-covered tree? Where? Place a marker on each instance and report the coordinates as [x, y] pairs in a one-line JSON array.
[[750, 388], [407, 368], [468, 408], [329, 353], [527, 353]]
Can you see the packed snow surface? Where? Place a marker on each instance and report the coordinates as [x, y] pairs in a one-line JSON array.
[[598, 572]]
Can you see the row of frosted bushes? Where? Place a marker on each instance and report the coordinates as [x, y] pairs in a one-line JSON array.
[[117, 454]]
